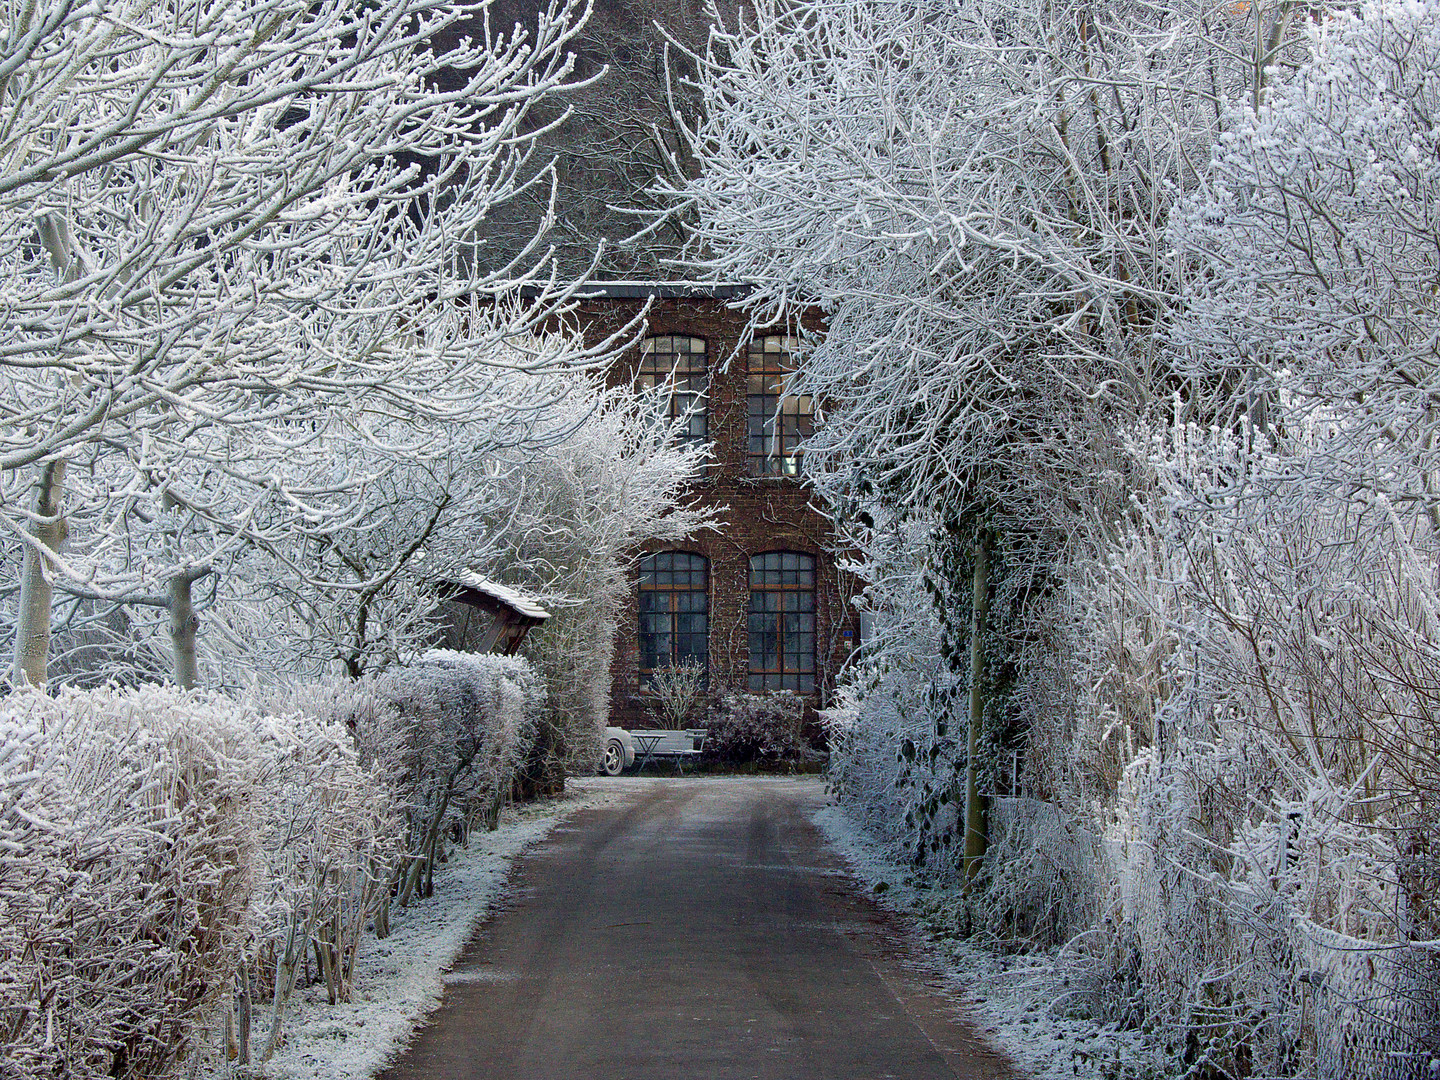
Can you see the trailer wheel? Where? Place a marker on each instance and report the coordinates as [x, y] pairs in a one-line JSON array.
[[614, 760]]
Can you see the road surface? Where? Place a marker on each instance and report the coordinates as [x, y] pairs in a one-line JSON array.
[[695, 929]]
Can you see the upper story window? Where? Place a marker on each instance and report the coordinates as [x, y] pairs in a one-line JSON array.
[[679, 362], [782, 622], [674, 611], [778, 420]]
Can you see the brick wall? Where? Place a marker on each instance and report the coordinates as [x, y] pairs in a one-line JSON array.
[[762, 513]]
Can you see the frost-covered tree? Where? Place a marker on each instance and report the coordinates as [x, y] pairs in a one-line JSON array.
[[1307, 630], [416, 503], [1313, 301], [582, 509], [975, 195], [224, 219]]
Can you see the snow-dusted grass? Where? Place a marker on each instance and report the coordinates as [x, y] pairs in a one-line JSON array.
[[1020, 1003], [399, 981]]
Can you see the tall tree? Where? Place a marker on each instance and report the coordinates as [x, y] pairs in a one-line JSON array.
[[582, 510], [975, 194], [234, 215]]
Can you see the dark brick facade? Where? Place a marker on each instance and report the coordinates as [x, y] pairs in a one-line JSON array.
[[763, 514]]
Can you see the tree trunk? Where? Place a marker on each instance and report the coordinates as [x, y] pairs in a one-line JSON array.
[[32, 630], [183, 624], [975, 808], [246, 1008]]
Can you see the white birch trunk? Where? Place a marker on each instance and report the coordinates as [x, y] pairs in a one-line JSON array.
[[32, 630], [183, 625]]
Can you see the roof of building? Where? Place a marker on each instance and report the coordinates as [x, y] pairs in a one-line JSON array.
[[639, 289], [504, 594]]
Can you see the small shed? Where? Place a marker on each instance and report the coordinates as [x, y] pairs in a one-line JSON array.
[[483, 616]]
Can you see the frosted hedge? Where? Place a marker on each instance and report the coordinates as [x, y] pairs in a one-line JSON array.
[[172, 862]]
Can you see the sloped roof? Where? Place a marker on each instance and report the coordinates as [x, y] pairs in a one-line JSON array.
[[504, 594]]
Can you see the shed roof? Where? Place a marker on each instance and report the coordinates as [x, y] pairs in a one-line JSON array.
[[503, 594]]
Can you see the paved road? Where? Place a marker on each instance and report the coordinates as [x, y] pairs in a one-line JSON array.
[[697, 929]]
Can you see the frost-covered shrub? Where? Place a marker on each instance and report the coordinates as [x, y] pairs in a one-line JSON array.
[[161, 847], [1301, 732], [127, 867], [456, 731], [1224, 822], [326, 825], [1042, 875], [873, 767], [1258, 834], [172, 861], [753, 727], [572, 654], [676, 692]]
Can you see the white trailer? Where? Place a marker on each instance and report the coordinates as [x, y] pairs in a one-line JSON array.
[[625, 748]]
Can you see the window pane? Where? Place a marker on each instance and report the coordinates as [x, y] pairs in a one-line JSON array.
[[781, 623], [778, 420], [673, 605], [679, 362]]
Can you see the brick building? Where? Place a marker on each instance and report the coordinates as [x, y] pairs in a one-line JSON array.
[[759, 604]]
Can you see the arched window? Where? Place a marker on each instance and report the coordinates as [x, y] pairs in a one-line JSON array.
[[778, 420], [679, 362], [674, 611], [782, 622]]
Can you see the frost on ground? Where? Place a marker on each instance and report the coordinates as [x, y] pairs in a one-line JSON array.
[[399, 981], [1019, 1002]]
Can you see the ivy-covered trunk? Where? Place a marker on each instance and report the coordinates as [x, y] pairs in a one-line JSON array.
[[975, 808]]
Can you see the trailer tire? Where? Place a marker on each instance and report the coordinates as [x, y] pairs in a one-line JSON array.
[[613, 763]]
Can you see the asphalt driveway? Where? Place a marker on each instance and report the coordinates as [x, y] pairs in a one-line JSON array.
[[696, 929]]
